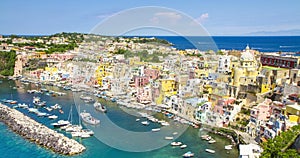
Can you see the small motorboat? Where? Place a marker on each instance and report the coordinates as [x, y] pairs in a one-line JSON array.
[[176, 143], [228, 147], [183, 146], [169, 138], [137, 120], [210, 151], [211, 141], [99, 107], [52, 117], [146, 123], [188, 154], [155, 129]]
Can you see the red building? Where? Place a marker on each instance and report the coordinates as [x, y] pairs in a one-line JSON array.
[[279, 61]]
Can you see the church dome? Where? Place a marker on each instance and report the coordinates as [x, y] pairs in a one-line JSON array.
[[247, 55]]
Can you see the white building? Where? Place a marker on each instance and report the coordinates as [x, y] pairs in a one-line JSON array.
[[224, 64]]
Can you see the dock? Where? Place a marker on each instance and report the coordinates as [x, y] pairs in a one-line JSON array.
[[38, 133]]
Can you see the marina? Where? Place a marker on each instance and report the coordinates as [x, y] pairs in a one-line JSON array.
[[114, 114]]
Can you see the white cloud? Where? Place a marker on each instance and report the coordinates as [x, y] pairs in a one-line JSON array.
[[202, 17], [172, 17]]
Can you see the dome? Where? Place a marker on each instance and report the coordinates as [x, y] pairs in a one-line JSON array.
[[247, 55]]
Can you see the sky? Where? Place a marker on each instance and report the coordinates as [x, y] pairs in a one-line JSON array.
[[218, 18]]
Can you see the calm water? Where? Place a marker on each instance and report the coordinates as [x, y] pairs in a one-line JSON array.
[[13, 145], [260, 43]]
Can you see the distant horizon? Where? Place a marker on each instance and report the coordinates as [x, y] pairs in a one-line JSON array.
[[153, 35]]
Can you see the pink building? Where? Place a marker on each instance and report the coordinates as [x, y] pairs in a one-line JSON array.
[[151, 73], [261, 112], [144, 95], [223, 105], [140, 81]]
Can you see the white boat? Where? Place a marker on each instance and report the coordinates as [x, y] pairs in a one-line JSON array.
[[88, 118], [52, 117], [169, 138], [228, 147], [76, 134], [176, 143], [211, 141], [87, 99], [88, 131], [42, 114], [73, 128], [210, 151], [23, 105], [48, 109], [137, 120], [99, 107], [60, 123], [183, 146], [175, 133], [146, 123], [37, 101], [188, 154], [155, 129], [204, 137], [33, 110], [56, 106], [85, 135], [165, 123], [208, 138]]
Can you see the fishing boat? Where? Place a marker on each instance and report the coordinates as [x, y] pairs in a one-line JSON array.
[[99, 107], [210, 151], [88, 118], [176, 143], [188, 154]]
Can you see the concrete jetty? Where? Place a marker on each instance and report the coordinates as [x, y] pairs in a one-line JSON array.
[[38, 133]]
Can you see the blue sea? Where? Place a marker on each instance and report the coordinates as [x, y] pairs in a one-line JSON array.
[[260, 43], [13, 145]]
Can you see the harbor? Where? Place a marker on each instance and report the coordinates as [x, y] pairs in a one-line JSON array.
[[116, 113], [38, 133]]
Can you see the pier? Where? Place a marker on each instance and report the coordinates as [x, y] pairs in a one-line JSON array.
[[38, 133]]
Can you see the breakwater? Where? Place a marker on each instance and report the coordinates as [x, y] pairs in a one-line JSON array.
[[38, 133]]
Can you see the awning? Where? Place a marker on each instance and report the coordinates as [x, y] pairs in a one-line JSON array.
[[263, 139]]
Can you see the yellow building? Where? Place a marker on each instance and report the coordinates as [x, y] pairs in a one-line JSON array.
[[168, 88], [102, 72], [247, 70], [51, 70]]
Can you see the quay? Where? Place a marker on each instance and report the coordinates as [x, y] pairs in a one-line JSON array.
[[38, 133]]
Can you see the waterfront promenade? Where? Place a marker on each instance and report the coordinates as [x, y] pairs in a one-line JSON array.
[[38, 133]]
